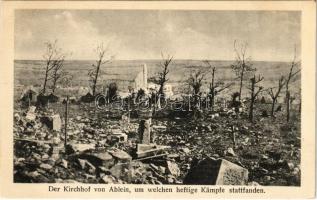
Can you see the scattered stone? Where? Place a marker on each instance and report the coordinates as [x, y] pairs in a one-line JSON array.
[[186, 150], [64, 163], [296, 171], [120, 155], [46, 166], [85, 165], [77, 147], [267, 178], [120, 170], [33, 174], [101, 159], [173, 168], [230, 152], [290, 165], [118, 137], [45, 157], [82, 163], [30, 116], [108, 179], [17, 117]]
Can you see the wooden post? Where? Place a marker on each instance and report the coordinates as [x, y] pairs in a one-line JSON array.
[[287, 105], [252, 99], [233, 136], [66, 120], [129, 108]]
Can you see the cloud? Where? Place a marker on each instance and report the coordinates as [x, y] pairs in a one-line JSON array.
[[74, 35], [79, 36], [145, 34]]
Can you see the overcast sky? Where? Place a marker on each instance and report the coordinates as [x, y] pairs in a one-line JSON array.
[[271, 35]]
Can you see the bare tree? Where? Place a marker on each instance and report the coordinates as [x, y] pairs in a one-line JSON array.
[[57, 72], [254, 93], [96, 71], [291, 74], [52, 56], [161, 77], [274, 93], [242, 65], [215, 87], [195, 80]]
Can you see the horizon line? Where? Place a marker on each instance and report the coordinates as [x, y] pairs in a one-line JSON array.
[[147, 59]]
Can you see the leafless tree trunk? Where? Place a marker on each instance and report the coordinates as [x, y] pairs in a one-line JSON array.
[[254, 81], [195, 82], [212, 85], [162, 76], [95, 72], [57, 72], [291, 74], [52, 54], [215, 87], [242, 65], [212, 89], [275, 95]]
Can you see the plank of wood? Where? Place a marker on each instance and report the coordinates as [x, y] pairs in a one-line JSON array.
[[150, 157]]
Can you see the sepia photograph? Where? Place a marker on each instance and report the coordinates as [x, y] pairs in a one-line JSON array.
[[181, 97]]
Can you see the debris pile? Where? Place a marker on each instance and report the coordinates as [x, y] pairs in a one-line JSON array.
[[221, 148]]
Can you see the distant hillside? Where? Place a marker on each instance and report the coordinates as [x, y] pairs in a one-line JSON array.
[[30, 72]]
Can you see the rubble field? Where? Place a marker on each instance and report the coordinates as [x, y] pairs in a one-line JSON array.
[[105, 147]]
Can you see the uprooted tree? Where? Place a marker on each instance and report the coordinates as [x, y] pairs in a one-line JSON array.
[[254, 91], [54, 59], [215, 87], [291, 74], [242, 65], [96, 70], [275, 92]]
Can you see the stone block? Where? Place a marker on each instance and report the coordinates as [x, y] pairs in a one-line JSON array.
[[57, 123], [121, 156], [118, 137], [146, 150], [216, 172], [53, 122], [146, 139]]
